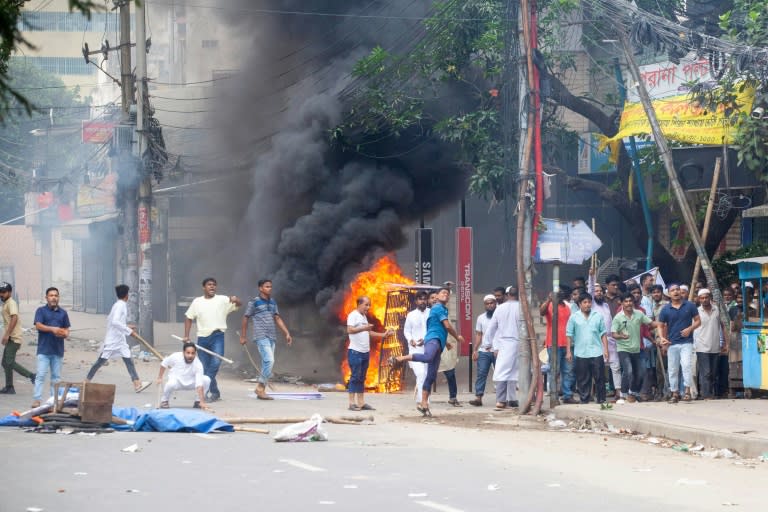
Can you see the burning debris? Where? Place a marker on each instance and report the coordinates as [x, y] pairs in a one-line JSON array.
[[389, 305]]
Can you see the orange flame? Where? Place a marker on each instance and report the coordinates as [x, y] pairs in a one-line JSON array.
[[373, 284]]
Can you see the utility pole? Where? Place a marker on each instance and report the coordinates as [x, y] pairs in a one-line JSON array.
[[682, 201], [145, 187], [127, 168]]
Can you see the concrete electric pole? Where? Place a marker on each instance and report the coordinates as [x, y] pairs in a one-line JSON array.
[[145, 187], [127, 168]]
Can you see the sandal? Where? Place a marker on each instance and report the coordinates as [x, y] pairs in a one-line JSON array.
[[353, 407], [500, 406], [687, 397], [164, 405], [673, 399], [366, 407], [424, 411]]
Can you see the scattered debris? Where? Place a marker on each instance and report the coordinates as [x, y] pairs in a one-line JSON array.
[[34, 509], [723, 453], [417, 495], [654, 440], [131, 449], [730, 504], [557, 424], [350, 486], [554, 485], [132, 491], [493, 487], [309, 430]]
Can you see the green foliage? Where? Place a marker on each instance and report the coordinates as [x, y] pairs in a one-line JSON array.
[[12, 40], [727, 273]]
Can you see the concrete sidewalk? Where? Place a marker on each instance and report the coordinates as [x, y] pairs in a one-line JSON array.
[[739, 425]]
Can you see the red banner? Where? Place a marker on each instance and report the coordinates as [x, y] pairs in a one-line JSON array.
[[464, 286], [97, 132]]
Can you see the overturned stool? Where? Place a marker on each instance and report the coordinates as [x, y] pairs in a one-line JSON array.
[[94, 405]]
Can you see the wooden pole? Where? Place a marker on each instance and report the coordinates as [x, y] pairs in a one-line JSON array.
[[149, 346], [707, 218], [251, 429], [669, 166], [343, 420], [593, 264]]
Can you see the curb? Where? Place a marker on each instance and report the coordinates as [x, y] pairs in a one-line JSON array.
[[746, 445]]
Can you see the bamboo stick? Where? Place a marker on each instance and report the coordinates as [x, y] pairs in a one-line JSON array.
[[342, 420], [250, 429]]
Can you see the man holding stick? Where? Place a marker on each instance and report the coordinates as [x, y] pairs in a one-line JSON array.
[[210, 313], [265, 316], [115, 343]]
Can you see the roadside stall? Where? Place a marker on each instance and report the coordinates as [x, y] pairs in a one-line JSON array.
[[753, 276]]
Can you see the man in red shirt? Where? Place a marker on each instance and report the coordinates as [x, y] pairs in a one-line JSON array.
[[565, 361]]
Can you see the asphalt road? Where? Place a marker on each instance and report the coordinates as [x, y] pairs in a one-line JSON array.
[[391, 466]]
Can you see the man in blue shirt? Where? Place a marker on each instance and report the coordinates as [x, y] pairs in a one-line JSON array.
[[678, 320], [263, 313], [52, 324], [436, 339], [586, 331]]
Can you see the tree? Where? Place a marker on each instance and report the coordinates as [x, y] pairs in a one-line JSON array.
[[12, 40], [458, 56], [26, 143]]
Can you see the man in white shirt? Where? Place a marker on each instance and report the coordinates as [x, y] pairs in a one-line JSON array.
[[185, 371], [358, 355], [707, 343], [483, 353], [210, 313], [504, 331], [414, 329], [115, 343]]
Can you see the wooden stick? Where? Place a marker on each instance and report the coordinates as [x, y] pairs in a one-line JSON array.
[[705, 230], [255, 367], [342, 420], [149, 346], [211, 352], [249, 429]]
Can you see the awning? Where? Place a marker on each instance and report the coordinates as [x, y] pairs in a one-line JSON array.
[[760, 260], [756, 211]]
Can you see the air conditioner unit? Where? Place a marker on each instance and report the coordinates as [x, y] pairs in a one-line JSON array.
[[123, 138]]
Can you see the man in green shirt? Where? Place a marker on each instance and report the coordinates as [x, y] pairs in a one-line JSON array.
[[625, 329], [11, 339], [586, 332]]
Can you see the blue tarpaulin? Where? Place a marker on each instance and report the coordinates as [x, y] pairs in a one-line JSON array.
[[180, 420]]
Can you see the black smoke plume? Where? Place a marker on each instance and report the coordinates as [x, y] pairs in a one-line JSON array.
[[318, 213]]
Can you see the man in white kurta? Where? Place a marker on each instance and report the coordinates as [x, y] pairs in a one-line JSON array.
[[414, 329], [115, 343], [185, 371], [504, 330]]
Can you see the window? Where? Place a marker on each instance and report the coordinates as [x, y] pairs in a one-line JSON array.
[[210, 43], [60, 65], [31, 21]]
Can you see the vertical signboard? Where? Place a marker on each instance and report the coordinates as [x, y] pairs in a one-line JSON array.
[[464, 275], [424, 264]]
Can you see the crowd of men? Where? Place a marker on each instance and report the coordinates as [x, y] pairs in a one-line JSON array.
[[195, 367], [634, 341]]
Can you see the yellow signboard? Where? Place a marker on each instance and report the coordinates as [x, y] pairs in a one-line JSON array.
[[682, 120]]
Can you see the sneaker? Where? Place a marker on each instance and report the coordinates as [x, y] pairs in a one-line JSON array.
[[454, 402], [8, 390], [571, 400], [631, 399], [477, 402]]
